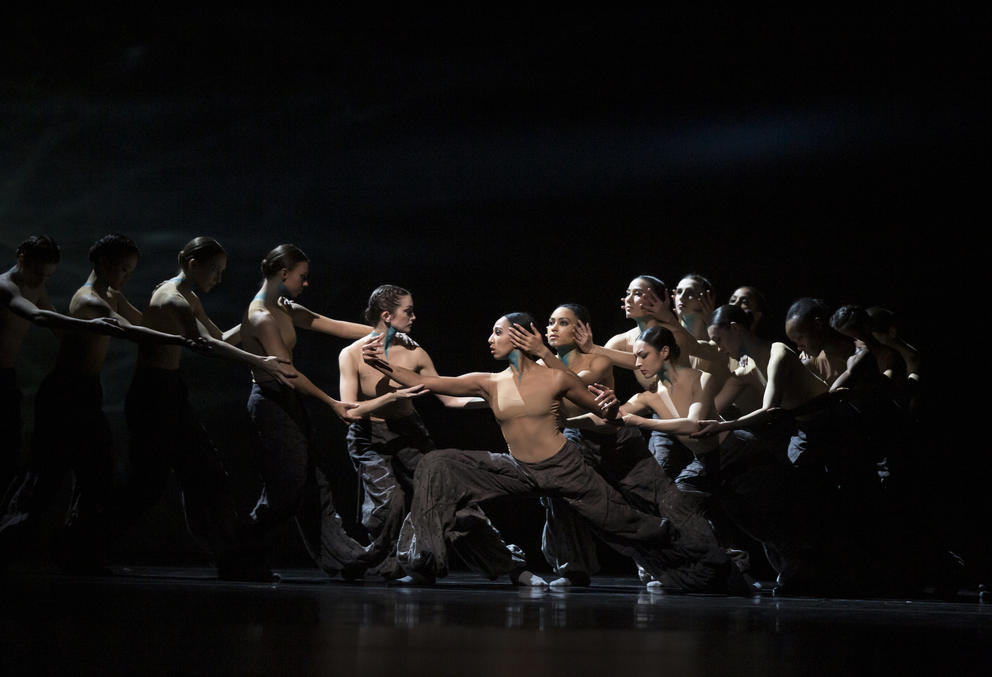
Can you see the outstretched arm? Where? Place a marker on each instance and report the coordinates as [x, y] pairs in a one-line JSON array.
[[267, 333], [465, 402], [466, 385], [10, 297], [196, 324], [307, 319]]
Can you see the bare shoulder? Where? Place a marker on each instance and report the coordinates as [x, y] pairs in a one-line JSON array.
[[782, 354], [8, 290], [624, 341], [87, 304], [600, 364], [258, 313]]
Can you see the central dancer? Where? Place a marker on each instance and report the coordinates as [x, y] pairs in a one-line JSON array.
[[525, 399]]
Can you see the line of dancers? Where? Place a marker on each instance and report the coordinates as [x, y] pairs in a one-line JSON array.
[[730, 439]]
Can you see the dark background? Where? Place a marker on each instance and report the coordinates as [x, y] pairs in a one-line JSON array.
[[496, 162]]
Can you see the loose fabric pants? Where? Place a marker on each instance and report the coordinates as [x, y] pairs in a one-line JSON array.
[[386, 455], [622, 458], [450, 480], [285, 464]]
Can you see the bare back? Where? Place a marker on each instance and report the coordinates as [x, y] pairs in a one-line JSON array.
[[170, 312]]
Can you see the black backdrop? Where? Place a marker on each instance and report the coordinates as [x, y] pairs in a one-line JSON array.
[[494, 163]]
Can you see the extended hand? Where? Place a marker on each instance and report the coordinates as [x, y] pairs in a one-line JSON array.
[[632, 419], [198, 344], [709, 303], [529, 341], [707, 428], [109, 326], [606, 399], [281, 369], [374, 353], [655, 307], [583, 336], [343, 411], [412, 391]]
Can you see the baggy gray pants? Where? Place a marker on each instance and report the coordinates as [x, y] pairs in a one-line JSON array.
[[623, 459], [450, 480], [385, 455]]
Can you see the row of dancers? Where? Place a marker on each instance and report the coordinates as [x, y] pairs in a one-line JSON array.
[[731, 438]]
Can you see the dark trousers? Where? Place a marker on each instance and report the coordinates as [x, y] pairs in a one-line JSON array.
[[623, 460], [793, 514], [386, 455], [286, 465], [10, 426], [450, 480], [166, 435], [71, 434]]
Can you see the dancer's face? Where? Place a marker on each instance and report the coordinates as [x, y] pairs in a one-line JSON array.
[[402, 317], [631, 300], [561, 328], [118, 271], [805, 335], [34, 273], [727, 338], [744, 298], [208, 275], [296, 279], [500, 344], [687, 297], [649, 360]]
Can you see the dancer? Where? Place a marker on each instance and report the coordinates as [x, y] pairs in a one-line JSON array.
[[24, 301], [71, 430], [165, 431], [854, 322], [823, 350], [287, 457], [388, 443], [620, 455], [526, 398]]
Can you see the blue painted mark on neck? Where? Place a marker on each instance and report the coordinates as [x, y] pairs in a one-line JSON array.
[[565, 354], [514, 358], [390, 333]]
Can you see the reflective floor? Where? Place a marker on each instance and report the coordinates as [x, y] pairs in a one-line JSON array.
[[157, 620]]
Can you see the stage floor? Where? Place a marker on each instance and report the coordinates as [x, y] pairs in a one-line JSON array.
[[182, 621]]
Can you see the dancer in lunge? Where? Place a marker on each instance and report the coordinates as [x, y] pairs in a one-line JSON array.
[[526, 398]]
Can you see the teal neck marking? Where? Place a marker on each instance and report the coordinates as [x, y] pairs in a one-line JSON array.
[[664, 372], [642, 323], [390, 333], [514, 358], [565, 354]]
